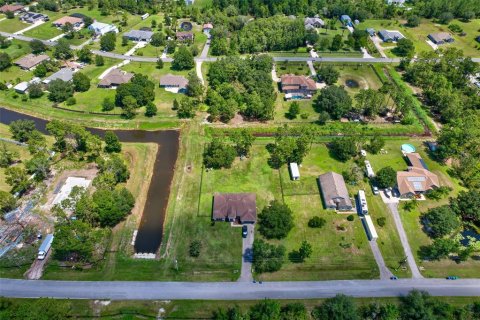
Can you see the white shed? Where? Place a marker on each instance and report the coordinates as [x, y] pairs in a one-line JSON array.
[[294, 172], [369, 169], [370, 228]]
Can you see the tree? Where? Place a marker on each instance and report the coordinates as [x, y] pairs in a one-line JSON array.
[[343, 148], [337, 43], [159, 63], [316, 222], [37, 46], [305, 251], [99, 61], [291, 145], [194, 248], [294, 310], [275, 221], [20, 129], [218, 154], [7, 156], [376, 144], [140, 87], [413, 21], [267, 257], [81, 82], [4, 43], [233, 313], [386, 177], [7, 203], [420, 305], [265, 309], [62, 50], [112, 205], [445, 17], [293, 110], [124, 41], [377, 311], [59, 90], [108, 104], [85, 55], [73, 241], [9, 14], [334, 100], [40, 71], [194, 87], [108, 41], [115, 167], [186, 108], [17, 178], [439, 249], [183, 59], [150, 109], [369, 102], [440, 221], [39, 165], [129, 106], [328, 74], [36, 142], [40, 309], [157, 39], [466, 205], [404, 48], [112, 143], [243, 140], [340, 307], [5, 61]]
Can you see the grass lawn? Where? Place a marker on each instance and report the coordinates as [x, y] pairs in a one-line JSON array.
[[150, 51], [419, 34], [297, 68], [17, 49], [12, 25], [362, 74], [15, 75], [306, 108]]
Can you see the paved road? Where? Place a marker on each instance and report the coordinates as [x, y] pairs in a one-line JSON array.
[[404, 240], [135, 290], [247, 255]]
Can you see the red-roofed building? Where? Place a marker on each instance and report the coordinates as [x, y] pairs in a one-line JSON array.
[[15, 8], [297, 86], [231, 207]]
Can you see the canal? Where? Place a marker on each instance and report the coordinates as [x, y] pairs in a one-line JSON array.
[[150, 231]]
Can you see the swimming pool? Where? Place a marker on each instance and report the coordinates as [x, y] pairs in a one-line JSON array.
[[408, 148]]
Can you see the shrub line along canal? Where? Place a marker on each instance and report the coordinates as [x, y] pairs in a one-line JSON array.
[[150, 230]]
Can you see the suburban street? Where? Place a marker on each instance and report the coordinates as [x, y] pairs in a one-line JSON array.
[[145, 290], [211, 59]]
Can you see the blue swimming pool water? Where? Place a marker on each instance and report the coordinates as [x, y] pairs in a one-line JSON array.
[[408, 148]]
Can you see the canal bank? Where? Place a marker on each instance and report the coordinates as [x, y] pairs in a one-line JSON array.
[[150, 230]]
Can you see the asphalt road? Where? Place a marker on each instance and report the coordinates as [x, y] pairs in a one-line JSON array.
[[211, 59], [133, 290]]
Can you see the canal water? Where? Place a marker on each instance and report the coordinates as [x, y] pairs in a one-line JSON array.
[[150, 231]]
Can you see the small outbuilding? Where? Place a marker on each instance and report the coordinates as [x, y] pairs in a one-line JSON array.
[[294, 172], [235, 207]]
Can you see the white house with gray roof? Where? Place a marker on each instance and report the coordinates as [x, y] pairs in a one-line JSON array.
[[65, 74], [100, 28], [139, 35]]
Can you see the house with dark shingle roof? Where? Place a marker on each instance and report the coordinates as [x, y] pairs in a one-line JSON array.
[[30, 61], [115, 78], [139, 35], [184, 36], [390, 35], [174, 83], [441, 38], [334, 192], [231, 207], [32, 17]]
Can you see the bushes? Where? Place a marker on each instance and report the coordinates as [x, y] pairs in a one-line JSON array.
[[351, 217], [194, 248], [275, 221], [316, 222], [382, 221]]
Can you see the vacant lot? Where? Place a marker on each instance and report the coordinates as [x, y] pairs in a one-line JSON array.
[[297, 68], [45, 31], [12, 25], [357, 77], [16, 49]]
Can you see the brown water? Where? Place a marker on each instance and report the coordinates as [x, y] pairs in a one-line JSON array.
[[150, 230]]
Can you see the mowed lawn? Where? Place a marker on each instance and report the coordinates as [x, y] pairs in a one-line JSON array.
[[12, 25], [363, 75], [419, 34], [296, 68], [17, 49]]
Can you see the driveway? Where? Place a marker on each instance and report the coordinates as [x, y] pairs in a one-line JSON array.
[[404, 240], [247, 255]]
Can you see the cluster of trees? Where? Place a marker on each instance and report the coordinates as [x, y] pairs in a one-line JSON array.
[[361, 10], [220, 152], [415, 305], [291, 144], [347, 147], [441, 222], [139, 92], [241, 85]]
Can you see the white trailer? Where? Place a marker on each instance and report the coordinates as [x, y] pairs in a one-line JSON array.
[[294, 172], [45, 247], [362, 200], [369, 169], [370, 228]]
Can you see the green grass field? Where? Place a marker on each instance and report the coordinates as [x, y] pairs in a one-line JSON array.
[[45, 31], [12, 25], [363, 75], [17, 49], [297, 68]]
